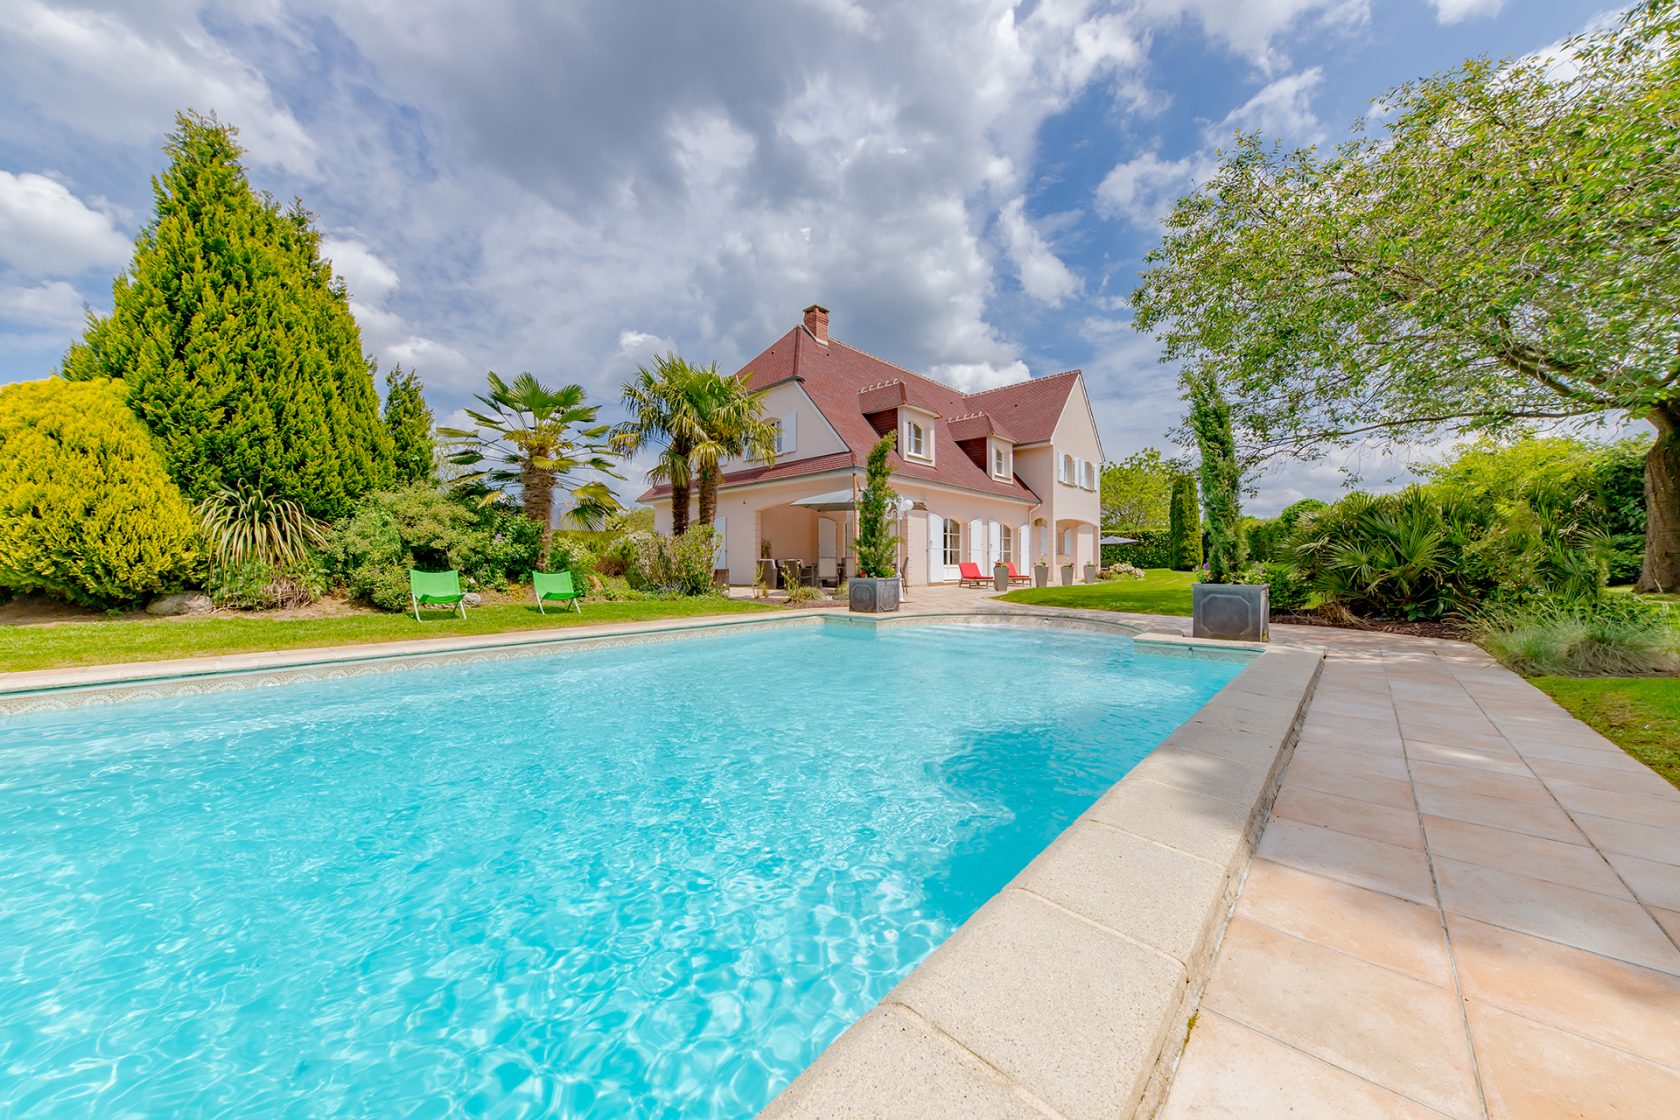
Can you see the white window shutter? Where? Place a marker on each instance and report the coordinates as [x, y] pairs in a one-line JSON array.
[[790, 434], [936, 547], [976, 541], [720, 558], [1023, 546], [994, 537]]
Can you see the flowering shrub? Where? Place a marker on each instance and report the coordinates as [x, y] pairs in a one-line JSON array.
[[674, 565], [1122, 571]]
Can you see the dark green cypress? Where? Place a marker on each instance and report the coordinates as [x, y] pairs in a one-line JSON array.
[[1184, 529], [409, 421], [235, 344]]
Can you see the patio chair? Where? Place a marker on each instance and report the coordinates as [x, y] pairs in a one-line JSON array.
[[828, 571], [556, 587], [1014, 576], [970, 575], [441, 589]]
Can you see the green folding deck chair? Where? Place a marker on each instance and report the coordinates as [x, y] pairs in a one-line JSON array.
[[436, 589], [555, 587]]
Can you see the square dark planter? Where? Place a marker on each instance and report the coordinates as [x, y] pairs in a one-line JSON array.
[[1239, 612], [872, 596]]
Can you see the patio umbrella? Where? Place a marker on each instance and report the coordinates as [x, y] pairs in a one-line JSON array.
[[1119, 540], [836, 500]]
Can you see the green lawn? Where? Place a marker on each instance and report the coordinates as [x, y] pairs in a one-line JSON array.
[[1160, 591], [120, 640], [1639, 714]]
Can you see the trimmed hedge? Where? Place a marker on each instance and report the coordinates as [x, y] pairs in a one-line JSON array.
[[87, 511], [1151, 551]]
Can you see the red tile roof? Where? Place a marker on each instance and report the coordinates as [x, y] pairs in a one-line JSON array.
[[842, 382]]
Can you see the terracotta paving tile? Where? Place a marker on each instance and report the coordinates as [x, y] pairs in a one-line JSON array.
[[1229, 1070], [1663, 812], [1398, 1032], [1615, 779], [1507, 787], [1375, 927], [1669, 920], [1600, 924], [1615, 1003], [1377, 765], [1402, 872], [1573, 865], [1655, 884], [1660, 844], [1535, 1072], [1495, 812], [1330, 778], [1498, 762], [1344, 814], [1572, 752]]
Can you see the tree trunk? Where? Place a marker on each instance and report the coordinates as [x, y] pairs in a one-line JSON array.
[[1662, 505], [708, 495], [679, 508], [537, 486]]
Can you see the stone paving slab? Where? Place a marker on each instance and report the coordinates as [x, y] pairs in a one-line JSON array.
[[1463, 905]]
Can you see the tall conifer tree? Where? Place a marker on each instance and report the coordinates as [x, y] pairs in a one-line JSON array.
[[409, 420], [234, 342]]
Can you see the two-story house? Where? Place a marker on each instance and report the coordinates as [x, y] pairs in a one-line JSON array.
[[1006, 474]]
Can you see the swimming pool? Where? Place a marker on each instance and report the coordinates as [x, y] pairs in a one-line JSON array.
[[650, 881]]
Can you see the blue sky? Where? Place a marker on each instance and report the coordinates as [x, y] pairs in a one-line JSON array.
[[969, 187]]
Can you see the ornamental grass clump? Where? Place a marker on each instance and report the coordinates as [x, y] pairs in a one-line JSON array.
[[1613, 636]]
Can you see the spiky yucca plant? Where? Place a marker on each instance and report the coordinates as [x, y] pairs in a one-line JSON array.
[[244, 525]]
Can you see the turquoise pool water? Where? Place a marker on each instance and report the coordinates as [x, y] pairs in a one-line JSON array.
[[652, 881]]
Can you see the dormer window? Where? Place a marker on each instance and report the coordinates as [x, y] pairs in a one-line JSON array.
[[918, 440], [1003, 461]]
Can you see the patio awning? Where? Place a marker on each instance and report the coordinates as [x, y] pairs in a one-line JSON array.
[[835, 500]]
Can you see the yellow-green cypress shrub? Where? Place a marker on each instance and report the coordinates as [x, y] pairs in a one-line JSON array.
[[87, 510]]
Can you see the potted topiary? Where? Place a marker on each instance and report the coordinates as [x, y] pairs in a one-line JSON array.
[[1000, 576], [876, 587], [1041, 573], [1220, 608]]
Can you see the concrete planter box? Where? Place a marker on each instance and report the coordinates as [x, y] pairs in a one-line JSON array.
[[872, 596], [1000, 577], [1067, 575], [1235, 611], [1041, 575]]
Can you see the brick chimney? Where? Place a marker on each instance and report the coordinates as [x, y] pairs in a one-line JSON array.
[[816, 321]]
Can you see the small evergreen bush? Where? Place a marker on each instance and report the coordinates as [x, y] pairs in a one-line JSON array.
[[87, 511], [674, 565]]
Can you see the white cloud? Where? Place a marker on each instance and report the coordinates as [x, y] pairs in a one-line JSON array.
[[368, 277], [1456, 11], [1043, 275], [124, 76], [54, 304], [1142, 190], [47, 231], [1282, 110], [1250, 27]]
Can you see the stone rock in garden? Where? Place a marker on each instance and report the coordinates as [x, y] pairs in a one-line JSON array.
[[472, 599], [184, 602]]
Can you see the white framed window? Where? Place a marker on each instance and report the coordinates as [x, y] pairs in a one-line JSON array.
[[776, 439], [916, 440], [1006, 549], [1002, 461], [953, 542], [1064, 472]]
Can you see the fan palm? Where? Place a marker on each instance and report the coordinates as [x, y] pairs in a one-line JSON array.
[[732, 423], [664, 404], [542, 441]]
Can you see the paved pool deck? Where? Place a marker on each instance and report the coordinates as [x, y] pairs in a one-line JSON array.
[[1464, 903]]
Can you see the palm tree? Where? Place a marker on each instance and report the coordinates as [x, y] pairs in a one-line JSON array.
[[664, 405], [539, 438], [733, 423]]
